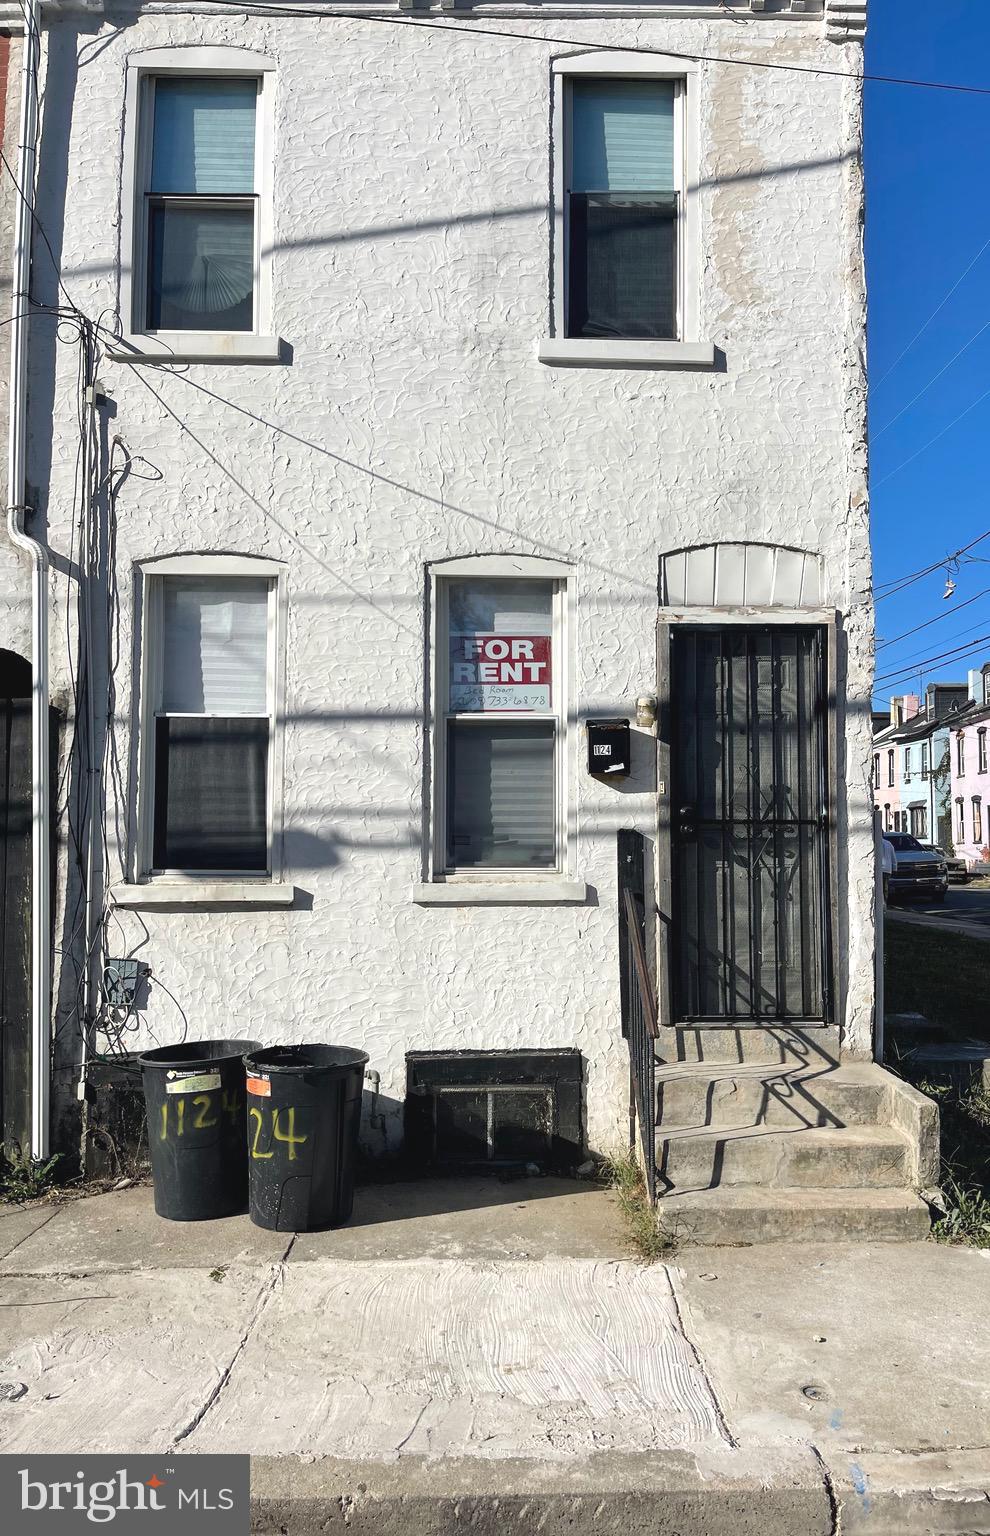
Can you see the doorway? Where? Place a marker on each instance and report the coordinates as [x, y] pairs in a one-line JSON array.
[[749, 824]]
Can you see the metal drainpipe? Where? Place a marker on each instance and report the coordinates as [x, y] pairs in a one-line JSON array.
[[41, 975]]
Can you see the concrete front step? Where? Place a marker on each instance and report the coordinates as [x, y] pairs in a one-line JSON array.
[[744, 1215], [856, 1157], [769, 1043], [702, 1096]]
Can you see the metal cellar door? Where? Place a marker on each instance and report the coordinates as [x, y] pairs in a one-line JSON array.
[[749, 824]]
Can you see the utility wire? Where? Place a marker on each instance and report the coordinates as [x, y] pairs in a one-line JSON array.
[[936, 311], [922, 666], [938, 619], [470, 30], [933, 380], [889, 588]]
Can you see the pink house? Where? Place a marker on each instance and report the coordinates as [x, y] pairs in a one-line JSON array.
[[888, 773], [970, 743]]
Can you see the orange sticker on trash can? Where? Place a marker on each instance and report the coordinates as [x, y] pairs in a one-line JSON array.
[[261, 1086]]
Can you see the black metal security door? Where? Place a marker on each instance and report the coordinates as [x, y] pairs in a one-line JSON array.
[[749, 824]]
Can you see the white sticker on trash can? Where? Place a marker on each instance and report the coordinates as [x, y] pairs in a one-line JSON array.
[[195, 1082]]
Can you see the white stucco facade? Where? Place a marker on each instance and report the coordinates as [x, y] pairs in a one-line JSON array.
[[410, 421]]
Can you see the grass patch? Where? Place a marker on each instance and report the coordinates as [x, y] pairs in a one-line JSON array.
[[940, 974], [965, 1178], [647, 1233], [25, 1178]]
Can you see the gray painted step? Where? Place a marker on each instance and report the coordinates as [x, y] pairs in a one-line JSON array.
[[700, 1095], [765, 1043], [858, 1157], [744, 1215]]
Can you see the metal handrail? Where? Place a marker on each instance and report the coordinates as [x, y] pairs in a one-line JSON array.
[[646, 994]]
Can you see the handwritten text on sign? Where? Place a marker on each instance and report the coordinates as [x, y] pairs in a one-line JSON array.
[[489, 672]]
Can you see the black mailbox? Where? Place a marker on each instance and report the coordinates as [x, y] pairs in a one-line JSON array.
[[608, 747]]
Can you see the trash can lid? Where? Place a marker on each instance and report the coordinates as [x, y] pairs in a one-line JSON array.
[[306, 1058], [193, 1053]]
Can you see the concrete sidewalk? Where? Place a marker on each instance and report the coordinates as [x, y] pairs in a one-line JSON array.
[[467, 1353]]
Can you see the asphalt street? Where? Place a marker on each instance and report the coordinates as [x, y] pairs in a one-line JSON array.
[[965, 907]]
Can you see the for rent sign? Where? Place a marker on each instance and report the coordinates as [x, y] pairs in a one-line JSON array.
[[492, 672]]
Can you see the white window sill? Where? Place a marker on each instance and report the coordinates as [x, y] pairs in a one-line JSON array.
[[196, 347], [500, 893], [220, 895], [577, 352]]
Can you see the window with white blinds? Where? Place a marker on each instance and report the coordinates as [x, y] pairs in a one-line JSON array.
[[201, 200], [498, 686], [622, 207], [213, 723]]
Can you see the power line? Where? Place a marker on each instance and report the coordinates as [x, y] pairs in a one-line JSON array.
[[929, 661], [937, 310], [933, 380], [933, 440], [890, 588], [275, 8], [938, 619]]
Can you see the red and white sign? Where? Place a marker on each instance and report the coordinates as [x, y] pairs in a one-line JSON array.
[[491, 672]]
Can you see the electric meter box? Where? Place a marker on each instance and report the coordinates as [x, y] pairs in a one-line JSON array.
[[608, 748]]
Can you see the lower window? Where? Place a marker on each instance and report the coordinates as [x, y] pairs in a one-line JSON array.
[[499, 726], [210, 693]]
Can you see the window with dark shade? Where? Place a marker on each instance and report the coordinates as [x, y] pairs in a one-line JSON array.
[[201, 204], [213, 725], [622, 206]]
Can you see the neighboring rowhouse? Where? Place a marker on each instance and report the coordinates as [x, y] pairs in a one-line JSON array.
[[399, 389], [911, 764], [970, 831]]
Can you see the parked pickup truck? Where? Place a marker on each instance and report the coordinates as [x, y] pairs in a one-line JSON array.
[[917, 871], [956, 867]]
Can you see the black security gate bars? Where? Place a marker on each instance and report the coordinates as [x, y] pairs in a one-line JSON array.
[[750, 825], [638, 1001]]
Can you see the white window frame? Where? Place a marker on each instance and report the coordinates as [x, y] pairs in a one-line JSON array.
[[981, 750], [689, 350], [446, 887], [149, 886], [977, 811], [138, 343]]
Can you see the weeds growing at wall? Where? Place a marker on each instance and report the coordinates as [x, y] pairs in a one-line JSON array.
[[25, 1178], [647, 1232]]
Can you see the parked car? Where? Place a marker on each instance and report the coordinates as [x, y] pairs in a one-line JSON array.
[[918, 871], [956, 867]]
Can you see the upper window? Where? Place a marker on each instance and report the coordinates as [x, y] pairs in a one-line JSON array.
[[876, 770], [924, 759], [981, 750], [200, 204], [197, 212], [208, 724], [622, 196], [960, 753], [890, 766], [907, 765], [626, 239]]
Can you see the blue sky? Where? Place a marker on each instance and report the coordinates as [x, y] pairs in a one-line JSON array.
[[928, 218]]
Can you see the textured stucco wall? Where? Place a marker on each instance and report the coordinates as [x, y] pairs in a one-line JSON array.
[[15, 568], [415, 423]]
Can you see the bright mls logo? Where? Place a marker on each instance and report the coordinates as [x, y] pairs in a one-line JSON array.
[[170, 1494]]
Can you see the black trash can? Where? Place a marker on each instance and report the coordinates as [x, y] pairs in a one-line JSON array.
[[304, 1112], [194, 1096]]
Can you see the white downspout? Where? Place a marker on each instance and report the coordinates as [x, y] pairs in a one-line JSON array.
[[41, 974]]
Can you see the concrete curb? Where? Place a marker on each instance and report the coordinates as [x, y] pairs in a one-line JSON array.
[[764, 1491], [654, 1494]]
